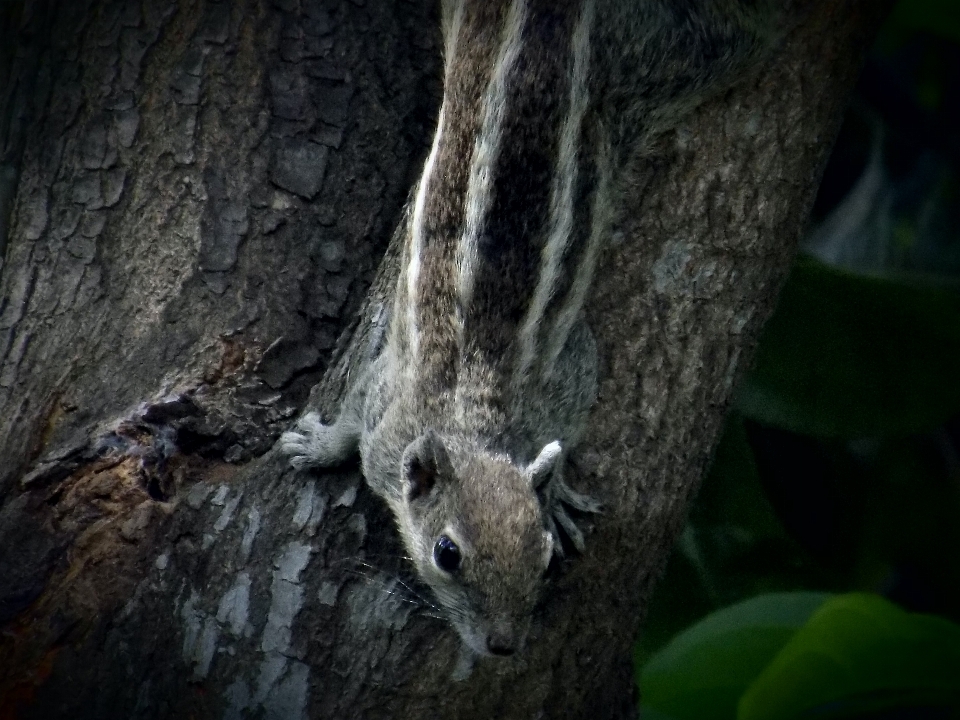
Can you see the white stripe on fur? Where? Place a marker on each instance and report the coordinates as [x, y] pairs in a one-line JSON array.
[[561, 194], [485, 152], [452, 22], [599, 225]]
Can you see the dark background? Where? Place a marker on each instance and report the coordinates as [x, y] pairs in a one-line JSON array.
[[839, 470]]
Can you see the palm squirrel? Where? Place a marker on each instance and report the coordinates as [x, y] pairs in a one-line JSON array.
[[488, 372]]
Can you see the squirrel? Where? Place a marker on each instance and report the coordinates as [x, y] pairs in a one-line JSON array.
[[488, 371]]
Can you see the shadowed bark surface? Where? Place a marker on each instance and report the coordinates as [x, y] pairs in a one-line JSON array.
[[194, 199]]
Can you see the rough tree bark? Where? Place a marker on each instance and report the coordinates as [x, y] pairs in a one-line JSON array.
[[194, 197]]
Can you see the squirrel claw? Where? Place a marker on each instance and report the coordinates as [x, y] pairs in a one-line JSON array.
[[300, 443], [568, 496], [569, 527], [560, 495]]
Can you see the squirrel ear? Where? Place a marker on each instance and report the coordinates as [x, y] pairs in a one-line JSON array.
[[541, 469], [424, 462]]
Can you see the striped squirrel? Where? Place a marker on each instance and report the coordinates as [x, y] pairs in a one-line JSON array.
[[488, 371]]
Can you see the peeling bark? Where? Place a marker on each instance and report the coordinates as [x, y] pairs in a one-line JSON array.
[[194, 197]]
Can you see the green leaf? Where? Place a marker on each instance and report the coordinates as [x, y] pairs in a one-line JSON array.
[[848, 356], [703, 671], [859, 653], [648, 713]]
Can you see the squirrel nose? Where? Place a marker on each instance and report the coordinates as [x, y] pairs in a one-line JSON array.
[[501, 643]]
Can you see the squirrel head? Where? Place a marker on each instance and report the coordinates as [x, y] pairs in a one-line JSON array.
[[475, 530]]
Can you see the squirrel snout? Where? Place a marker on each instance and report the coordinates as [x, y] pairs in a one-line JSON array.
[[499, 649], [502, 642]]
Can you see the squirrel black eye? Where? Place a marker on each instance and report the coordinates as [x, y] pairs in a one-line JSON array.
[[446, 554]]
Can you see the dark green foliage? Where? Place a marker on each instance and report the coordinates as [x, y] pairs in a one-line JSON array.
[[848, 356], [856, 655], [702, 673], [803, 655], [833, 503]]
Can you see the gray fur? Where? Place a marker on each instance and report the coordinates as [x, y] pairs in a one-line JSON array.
[[486, 379]]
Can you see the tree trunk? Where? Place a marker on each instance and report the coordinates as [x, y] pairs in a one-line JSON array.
[[194, 197]]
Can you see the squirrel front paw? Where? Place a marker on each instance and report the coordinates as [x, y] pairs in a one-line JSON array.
[[313, 444], [306, 442]]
